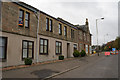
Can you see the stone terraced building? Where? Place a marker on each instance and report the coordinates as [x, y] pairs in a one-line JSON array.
[[27, 32]]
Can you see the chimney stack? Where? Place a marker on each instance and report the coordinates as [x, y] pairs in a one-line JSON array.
[[86, 21]]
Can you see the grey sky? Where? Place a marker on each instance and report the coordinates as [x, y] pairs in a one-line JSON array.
[[76, 11]]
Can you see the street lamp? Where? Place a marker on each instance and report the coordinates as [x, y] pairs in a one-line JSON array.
[[97, 32]]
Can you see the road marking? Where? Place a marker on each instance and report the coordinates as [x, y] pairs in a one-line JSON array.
[[60, 73]]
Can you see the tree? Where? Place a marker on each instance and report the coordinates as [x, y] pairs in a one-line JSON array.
[[106, 48], [116, 43], [112, 44]]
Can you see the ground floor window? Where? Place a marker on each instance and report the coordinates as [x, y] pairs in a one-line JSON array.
[[81, 47], [3, 48], [75, 47], [58, 47], [28, 49], [86, 49], [43, 46], [90, 49]]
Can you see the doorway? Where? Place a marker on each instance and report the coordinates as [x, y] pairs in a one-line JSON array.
[[68, 50]]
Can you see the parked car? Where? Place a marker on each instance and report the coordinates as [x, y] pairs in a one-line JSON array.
[[112, 52]]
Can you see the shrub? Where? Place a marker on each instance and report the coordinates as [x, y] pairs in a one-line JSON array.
[[61, 57], [76, 53], [28, 61], [82, 53]]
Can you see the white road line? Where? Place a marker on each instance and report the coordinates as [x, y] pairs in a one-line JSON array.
[[60, 73]]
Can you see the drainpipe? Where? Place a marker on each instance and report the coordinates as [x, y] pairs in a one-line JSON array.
[[37, 14]]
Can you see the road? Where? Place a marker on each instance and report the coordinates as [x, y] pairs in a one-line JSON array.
[[104, 67], [90, 67]]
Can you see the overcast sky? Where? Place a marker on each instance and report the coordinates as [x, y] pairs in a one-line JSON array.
[[76, 12]]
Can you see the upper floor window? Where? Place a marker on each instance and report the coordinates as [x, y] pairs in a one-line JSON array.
[[47, 24], [84, 36], [72, 33], [80, 35], [88, 38], [21, 18], [60, 29], [65, 31], [24, 17], [27, 20], [51, 25], [3, 48]]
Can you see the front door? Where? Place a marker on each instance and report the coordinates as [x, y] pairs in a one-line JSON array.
[[68, 50]]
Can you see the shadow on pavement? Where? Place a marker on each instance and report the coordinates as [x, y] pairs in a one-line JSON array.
[[44, 73]]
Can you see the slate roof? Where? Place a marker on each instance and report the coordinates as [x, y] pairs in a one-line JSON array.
[[66, 22], [82, 27]]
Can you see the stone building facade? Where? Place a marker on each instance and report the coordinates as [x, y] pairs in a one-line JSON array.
[[27, 32]]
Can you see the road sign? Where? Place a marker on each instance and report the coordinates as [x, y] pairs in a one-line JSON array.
[[113, 49], [107, 53]]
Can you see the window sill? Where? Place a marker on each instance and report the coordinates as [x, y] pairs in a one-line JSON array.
[[58, 53], [2, 60], [20, 26], [26, 27], [43, 53], [24, 59]]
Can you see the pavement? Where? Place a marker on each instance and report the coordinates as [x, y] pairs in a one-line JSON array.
[[46, 71]]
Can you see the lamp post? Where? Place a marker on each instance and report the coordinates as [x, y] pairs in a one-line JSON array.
[[97, 32]]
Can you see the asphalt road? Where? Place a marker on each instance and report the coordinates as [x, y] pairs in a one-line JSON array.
[[104, 67], [90, 67]]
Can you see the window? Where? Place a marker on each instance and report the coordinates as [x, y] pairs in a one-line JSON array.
[[80, 34], [75, 47], [27, 20], [88, 38], [47, 24], [27, 51], [58, 47], [65, 31], [51, 25], [81, 47], [86, 49], [43, 46], [72, 33], [21, 18], [84, 36], [90, 48], [24, 19], [3, 48], [60, 29]]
